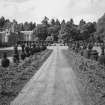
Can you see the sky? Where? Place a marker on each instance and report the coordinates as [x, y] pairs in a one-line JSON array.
[[35, 10]]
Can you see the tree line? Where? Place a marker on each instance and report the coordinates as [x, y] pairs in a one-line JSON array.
[[26, 26], [66, 30]]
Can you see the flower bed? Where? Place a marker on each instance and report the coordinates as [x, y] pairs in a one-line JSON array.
[[15, 77], [92, 77]]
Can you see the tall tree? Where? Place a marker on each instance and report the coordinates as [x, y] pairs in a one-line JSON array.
[[86, 30], [41, 32], [26, 26], [7, 24], [52, 22], [57, 22], [20, 27], [45, 21], [82, 22], [71, 21], [2, 22], [100, 28]]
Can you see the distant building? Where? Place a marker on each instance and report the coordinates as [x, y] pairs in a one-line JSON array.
[[27, 35], [4, 34], [7, 34], [2, 37]]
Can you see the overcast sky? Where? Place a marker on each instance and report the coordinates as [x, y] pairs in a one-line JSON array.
[[35, 10]]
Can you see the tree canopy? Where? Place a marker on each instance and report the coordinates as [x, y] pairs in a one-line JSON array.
[[56, 29]]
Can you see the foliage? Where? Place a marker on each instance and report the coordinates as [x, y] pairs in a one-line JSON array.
[[15, 77], [2, 22], [6, 23], [63, 30], [86, 30], [100, 26], [92, 77], [41, 31]]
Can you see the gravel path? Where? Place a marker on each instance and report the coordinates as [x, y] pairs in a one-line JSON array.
[[54, 84]]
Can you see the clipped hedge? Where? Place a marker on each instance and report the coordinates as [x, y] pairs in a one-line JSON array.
[[92, 77]]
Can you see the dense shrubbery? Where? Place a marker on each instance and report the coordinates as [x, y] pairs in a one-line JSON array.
[[13, 79], [92, 76]]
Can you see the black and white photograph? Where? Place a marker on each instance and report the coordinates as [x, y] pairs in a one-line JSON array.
[[52, 52]]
